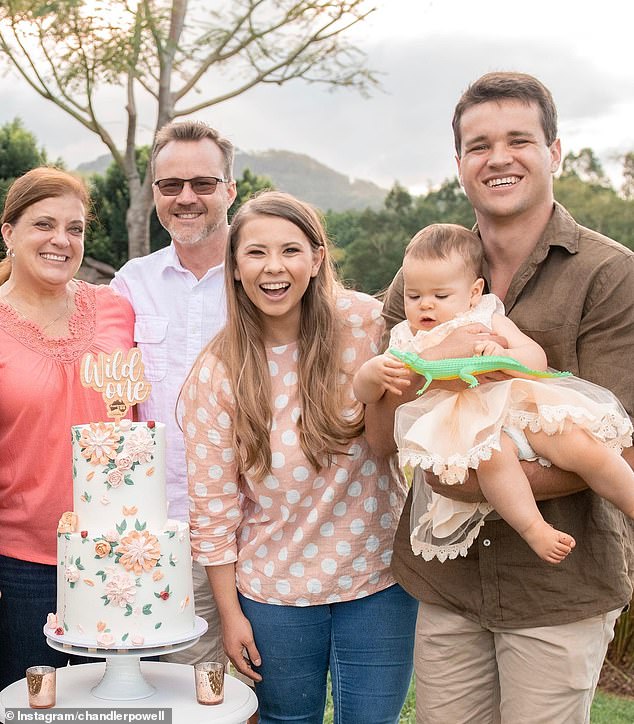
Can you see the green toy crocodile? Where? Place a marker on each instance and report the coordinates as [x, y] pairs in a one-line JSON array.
[[464, 368]]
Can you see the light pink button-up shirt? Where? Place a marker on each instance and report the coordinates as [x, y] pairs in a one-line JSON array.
[[298, 537]]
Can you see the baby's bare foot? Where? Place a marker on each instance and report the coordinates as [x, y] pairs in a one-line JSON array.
[[550, 544]]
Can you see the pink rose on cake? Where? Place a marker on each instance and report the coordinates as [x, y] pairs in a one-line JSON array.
[[102, 548], [99, 442], [140, 551], [105, 640], [120, 589], [112, 536], [71, 574], [114, 478], [139, 445], [52, 622], [123, 461]]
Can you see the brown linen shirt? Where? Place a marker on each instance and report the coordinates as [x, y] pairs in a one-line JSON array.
[[574, 295]]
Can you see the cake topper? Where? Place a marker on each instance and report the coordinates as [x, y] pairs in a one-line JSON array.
[[119, 378]]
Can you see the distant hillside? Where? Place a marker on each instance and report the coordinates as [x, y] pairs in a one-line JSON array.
[[297, 174], [98, 165], [310, 180]]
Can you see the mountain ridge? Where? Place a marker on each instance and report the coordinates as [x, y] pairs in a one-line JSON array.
[[295, 173]]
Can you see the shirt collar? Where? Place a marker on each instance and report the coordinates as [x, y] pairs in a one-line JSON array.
[[173, 262], [171, 259], [561, 230]]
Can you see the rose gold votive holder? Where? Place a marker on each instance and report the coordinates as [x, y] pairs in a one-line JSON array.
[[40, 681], [210, 682]]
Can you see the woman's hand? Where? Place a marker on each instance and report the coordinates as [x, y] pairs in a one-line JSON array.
[[237, 634], [239, 645]]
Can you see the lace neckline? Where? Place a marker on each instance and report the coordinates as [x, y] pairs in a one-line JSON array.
[[69, 348]]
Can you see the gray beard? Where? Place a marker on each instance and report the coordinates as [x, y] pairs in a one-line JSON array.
[[194, 237]]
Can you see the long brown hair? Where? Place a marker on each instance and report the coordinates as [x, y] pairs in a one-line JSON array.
[[43, 182], [324, 426]]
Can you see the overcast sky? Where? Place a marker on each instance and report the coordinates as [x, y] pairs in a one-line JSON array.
[[428, 52]]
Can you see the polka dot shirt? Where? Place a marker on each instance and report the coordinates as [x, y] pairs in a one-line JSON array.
[[298, 537]]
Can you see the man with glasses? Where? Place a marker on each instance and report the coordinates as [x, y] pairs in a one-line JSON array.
[[179, 301]]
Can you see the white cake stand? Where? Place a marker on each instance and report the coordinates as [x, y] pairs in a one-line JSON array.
[[122, 679]]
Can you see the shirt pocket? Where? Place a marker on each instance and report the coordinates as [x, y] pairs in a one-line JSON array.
[[150, 335]]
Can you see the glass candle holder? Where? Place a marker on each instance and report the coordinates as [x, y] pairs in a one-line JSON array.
[[210, 682], [40, 681]]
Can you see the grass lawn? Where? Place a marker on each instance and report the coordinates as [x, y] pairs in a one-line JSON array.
[[606, 709]]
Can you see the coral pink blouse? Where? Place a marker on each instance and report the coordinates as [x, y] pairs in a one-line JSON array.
[[41, 397], [298, 537]]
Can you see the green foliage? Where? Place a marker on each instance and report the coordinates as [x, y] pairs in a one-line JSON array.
[[19, 152], [585, 166], [606, 708], [372, 243], [107, 236], [247, 186], [627, 189], [598, 207], [609, 709]]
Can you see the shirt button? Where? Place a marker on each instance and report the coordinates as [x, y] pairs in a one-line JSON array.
[[486, 542]]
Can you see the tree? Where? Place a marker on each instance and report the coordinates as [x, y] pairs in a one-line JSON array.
[[107, 236], [160, 51], [627, 189], [371, 243], [586, 166], [247, 186], [19, 153]]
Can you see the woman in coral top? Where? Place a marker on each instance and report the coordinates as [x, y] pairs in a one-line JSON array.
[[292, 515], [48, 321]]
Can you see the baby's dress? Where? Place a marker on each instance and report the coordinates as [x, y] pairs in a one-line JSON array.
[[449, 432]]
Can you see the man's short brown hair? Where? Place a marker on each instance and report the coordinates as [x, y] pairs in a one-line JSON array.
[[512, 86], [193, 131]]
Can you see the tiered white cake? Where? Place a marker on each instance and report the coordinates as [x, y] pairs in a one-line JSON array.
[[124, 570]]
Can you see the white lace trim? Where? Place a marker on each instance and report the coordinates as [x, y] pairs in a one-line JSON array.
[[454, 470], [613, 430], [449, 551], [404, 340]]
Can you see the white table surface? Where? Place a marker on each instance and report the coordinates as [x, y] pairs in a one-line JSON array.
[[175, 689]]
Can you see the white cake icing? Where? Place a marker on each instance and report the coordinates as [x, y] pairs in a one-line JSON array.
[[124, 570]]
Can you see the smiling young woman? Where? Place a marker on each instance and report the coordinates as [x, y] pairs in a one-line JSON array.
[[48, 320], [293, 516]]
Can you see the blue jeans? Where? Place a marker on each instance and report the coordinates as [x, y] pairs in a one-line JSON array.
[[367, 644], [27, 595]]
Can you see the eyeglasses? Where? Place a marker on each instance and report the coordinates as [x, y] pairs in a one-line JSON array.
[[202, 185]]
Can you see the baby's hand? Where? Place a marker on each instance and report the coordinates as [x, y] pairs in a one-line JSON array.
[[391, 373], [489, 349]]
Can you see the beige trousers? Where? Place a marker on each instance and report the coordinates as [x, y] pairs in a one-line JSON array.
[[466, 674], [209, 647]]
